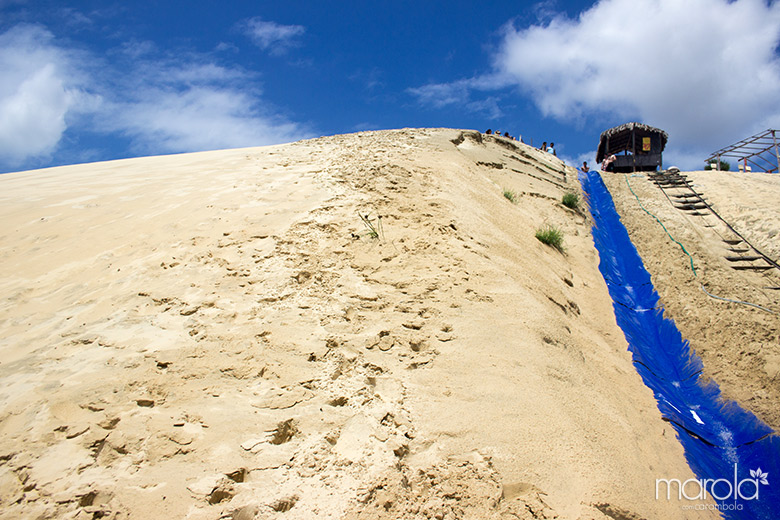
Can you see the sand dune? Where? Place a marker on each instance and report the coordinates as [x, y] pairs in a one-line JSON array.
[[218, 335]]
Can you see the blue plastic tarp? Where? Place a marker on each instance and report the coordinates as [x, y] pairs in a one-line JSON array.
[[723, 442]]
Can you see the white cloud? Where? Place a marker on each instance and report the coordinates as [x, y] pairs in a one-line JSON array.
[[195, 71], [706, 71], [271, 36], [174, 105], [440, 95], [197, 118], [162, 102], [137, 48], [36, 92], [692, 67]]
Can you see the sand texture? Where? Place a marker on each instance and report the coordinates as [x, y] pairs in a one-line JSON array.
[[218, 335]]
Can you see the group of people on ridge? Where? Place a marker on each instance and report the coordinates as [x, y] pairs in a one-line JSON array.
[[606, 165], [548, 149], [506, 134], [545, 147]]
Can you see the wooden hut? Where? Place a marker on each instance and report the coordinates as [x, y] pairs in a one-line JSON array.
[[638, 147]]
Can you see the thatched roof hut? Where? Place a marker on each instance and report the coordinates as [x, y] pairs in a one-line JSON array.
[[641, 145]]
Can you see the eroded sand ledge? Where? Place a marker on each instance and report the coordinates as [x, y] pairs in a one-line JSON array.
[[195, 335]]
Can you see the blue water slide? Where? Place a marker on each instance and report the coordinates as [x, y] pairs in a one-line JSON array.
[[723, 442]]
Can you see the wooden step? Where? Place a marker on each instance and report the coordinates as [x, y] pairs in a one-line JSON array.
[[744, 258], [690, 207], [696, 196]]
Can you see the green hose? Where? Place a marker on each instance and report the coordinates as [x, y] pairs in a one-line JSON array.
[[690, 257], [662, 225]]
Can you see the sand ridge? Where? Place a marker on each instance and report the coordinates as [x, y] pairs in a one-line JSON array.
[[217, 335]]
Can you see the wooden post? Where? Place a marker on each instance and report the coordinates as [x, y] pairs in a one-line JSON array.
[[777, 156], [633, 143]]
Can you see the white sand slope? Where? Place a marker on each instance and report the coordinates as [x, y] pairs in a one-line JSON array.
[[216, 335]]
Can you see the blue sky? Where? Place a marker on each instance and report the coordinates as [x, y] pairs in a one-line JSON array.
[[97, 80]]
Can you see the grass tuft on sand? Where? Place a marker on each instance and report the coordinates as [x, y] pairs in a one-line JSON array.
[[571, 200], [550, 235]]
